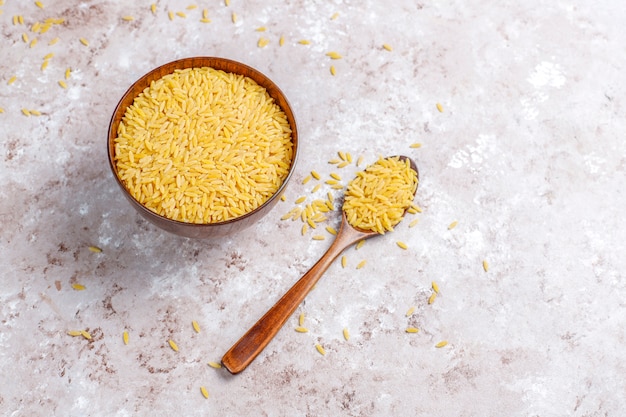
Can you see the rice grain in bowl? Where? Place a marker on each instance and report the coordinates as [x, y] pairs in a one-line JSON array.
[[203, 147]]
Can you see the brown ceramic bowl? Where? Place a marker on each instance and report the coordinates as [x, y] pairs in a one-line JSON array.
[[197, 230]]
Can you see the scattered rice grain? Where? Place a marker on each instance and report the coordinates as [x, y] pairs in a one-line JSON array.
[[85, 334], [315, 175], [301, 329], [12, 80], [53, 41], [173, 345], [181, 14], [204, 392], [410, 311], [75, 332], [435, 287], [125, 337], [333, 55], [344, 261], [402, 245], [304, 42], [281, 40], [95, 249], [26, 112], [25, 37], [319, 237], [440, 107], [63, 84], [387, 47], [128, 18], [233, 17], [432, 298], [414, 222], [316, 188], [334, 16], [300, 199], [441, 344], [360, 244], [78, 287], [33, 43], [39, 4], [320, 349], [485, 265], [361, 264], [195, 326], [301, 318], [452, 225], [331, 230], [84, 41], [415, 145], [346, 333], [153, 8], [215, 365], [412, 330]]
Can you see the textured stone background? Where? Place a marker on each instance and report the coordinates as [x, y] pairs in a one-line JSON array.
[[528, 156]]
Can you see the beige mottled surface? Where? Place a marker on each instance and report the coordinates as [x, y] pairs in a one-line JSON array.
[[528, 156]]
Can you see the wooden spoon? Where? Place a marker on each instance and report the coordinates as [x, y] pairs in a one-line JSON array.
[[242, 353]]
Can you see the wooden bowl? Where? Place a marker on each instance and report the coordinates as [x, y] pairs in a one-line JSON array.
[[205, 230]]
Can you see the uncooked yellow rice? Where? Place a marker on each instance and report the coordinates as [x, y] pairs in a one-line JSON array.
[[412, 330], [173, 345], [320, 349], [435, 287], [125, 337], [301, 329], [486, 265], [204, 392], [203, 146], [441, 344], [195, 326], [378, 196], [346, 333], [432, 298], [410, 311], [215, 365]]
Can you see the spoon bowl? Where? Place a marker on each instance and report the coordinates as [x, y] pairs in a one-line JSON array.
[[243, 352]]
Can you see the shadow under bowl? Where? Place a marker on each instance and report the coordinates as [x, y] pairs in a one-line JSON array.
[[202, 230]]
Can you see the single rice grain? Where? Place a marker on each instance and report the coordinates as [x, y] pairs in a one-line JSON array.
[[204, 392], [173, 345], [441, 344], [195, 326], [432, 298], [346, 333], [412, 330], [320, 349]]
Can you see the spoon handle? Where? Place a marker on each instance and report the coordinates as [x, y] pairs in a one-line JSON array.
[[242, 353]]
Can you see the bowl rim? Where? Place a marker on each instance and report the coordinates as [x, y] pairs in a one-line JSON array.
[[199, 62]]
